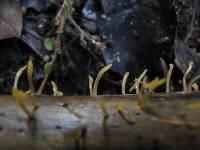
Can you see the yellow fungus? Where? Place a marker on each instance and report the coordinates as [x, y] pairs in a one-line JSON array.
[[91, 80], [192, 82], [20, 96], [124, 83], [18, 75], [154, 84], [185, 89], [99, 76], [136, 85], [132, 87], [30, 77], [195, 87], [169, 73], [56, 92], [144, 80]]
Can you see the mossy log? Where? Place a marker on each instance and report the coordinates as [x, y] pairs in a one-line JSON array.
[[165, 122]]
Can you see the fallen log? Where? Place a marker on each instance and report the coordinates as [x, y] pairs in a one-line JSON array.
[[169, 121]]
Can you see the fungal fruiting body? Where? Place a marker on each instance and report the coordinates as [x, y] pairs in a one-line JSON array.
[[195, 87], [124, 83], [169, 73], [185, 88], [192, 83], [91, 80], [19, 95], [18, 75], [30, 77], [99, 76], [136, 85], [151, 86], [56, 92]]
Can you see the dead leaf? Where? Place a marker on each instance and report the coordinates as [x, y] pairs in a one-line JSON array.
[[10, 19]]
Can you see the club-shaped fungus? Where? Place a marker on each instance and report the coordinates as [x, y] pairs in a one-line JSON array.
[[104, 111], [151, 86], [192, 82], [30, 77], [91, 80], [56, 92], [136, 85], [19, 95], [18, 75], [124, 83], [99, 76], [185, 88], [169, 73], [195, 87]]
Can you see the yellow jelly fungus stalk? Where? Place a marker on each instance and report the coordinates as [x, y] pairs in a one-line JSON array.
[[18, 75], [30, 77], [124, 83], [104, 111], [137, 82], [99, 76], [195, 79], [169, 73], [132, 87], [91, 80], [195, 87], [144, 80], [185, 89], [20, 96], [55, 90], [154, 84]]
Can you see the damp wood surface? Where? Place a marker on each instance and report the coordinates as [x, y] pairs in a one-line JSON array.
[[166, 121]]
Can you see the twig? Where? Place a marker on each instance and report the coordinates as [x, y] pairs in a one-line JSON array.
[[61, 16], [85, 35]]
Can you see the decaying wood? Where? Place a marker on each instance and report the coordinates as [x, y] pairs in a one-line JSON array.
[[165, 122]]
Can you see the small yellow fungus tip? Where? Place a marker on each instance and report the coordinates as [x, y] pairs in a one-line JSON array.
[[30, 77], [20, 96], [136, 85], [18, 75], [192, 83], [99, 76], [104, 111], [91, 80], [56, 92], [195, 87], [169, 73], [124, 83], [185, 88]]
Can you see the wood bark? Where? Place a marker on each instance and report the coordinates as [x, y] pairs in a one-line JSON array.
[[164, 122]]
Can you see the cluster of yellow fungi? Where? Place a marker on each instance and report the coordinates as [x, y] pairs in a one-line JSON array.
[[140, 85]]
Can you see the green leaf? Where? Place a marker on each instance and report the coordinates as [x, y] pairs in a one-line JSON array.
[[71, 11], [47, 67], [49, 44]]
